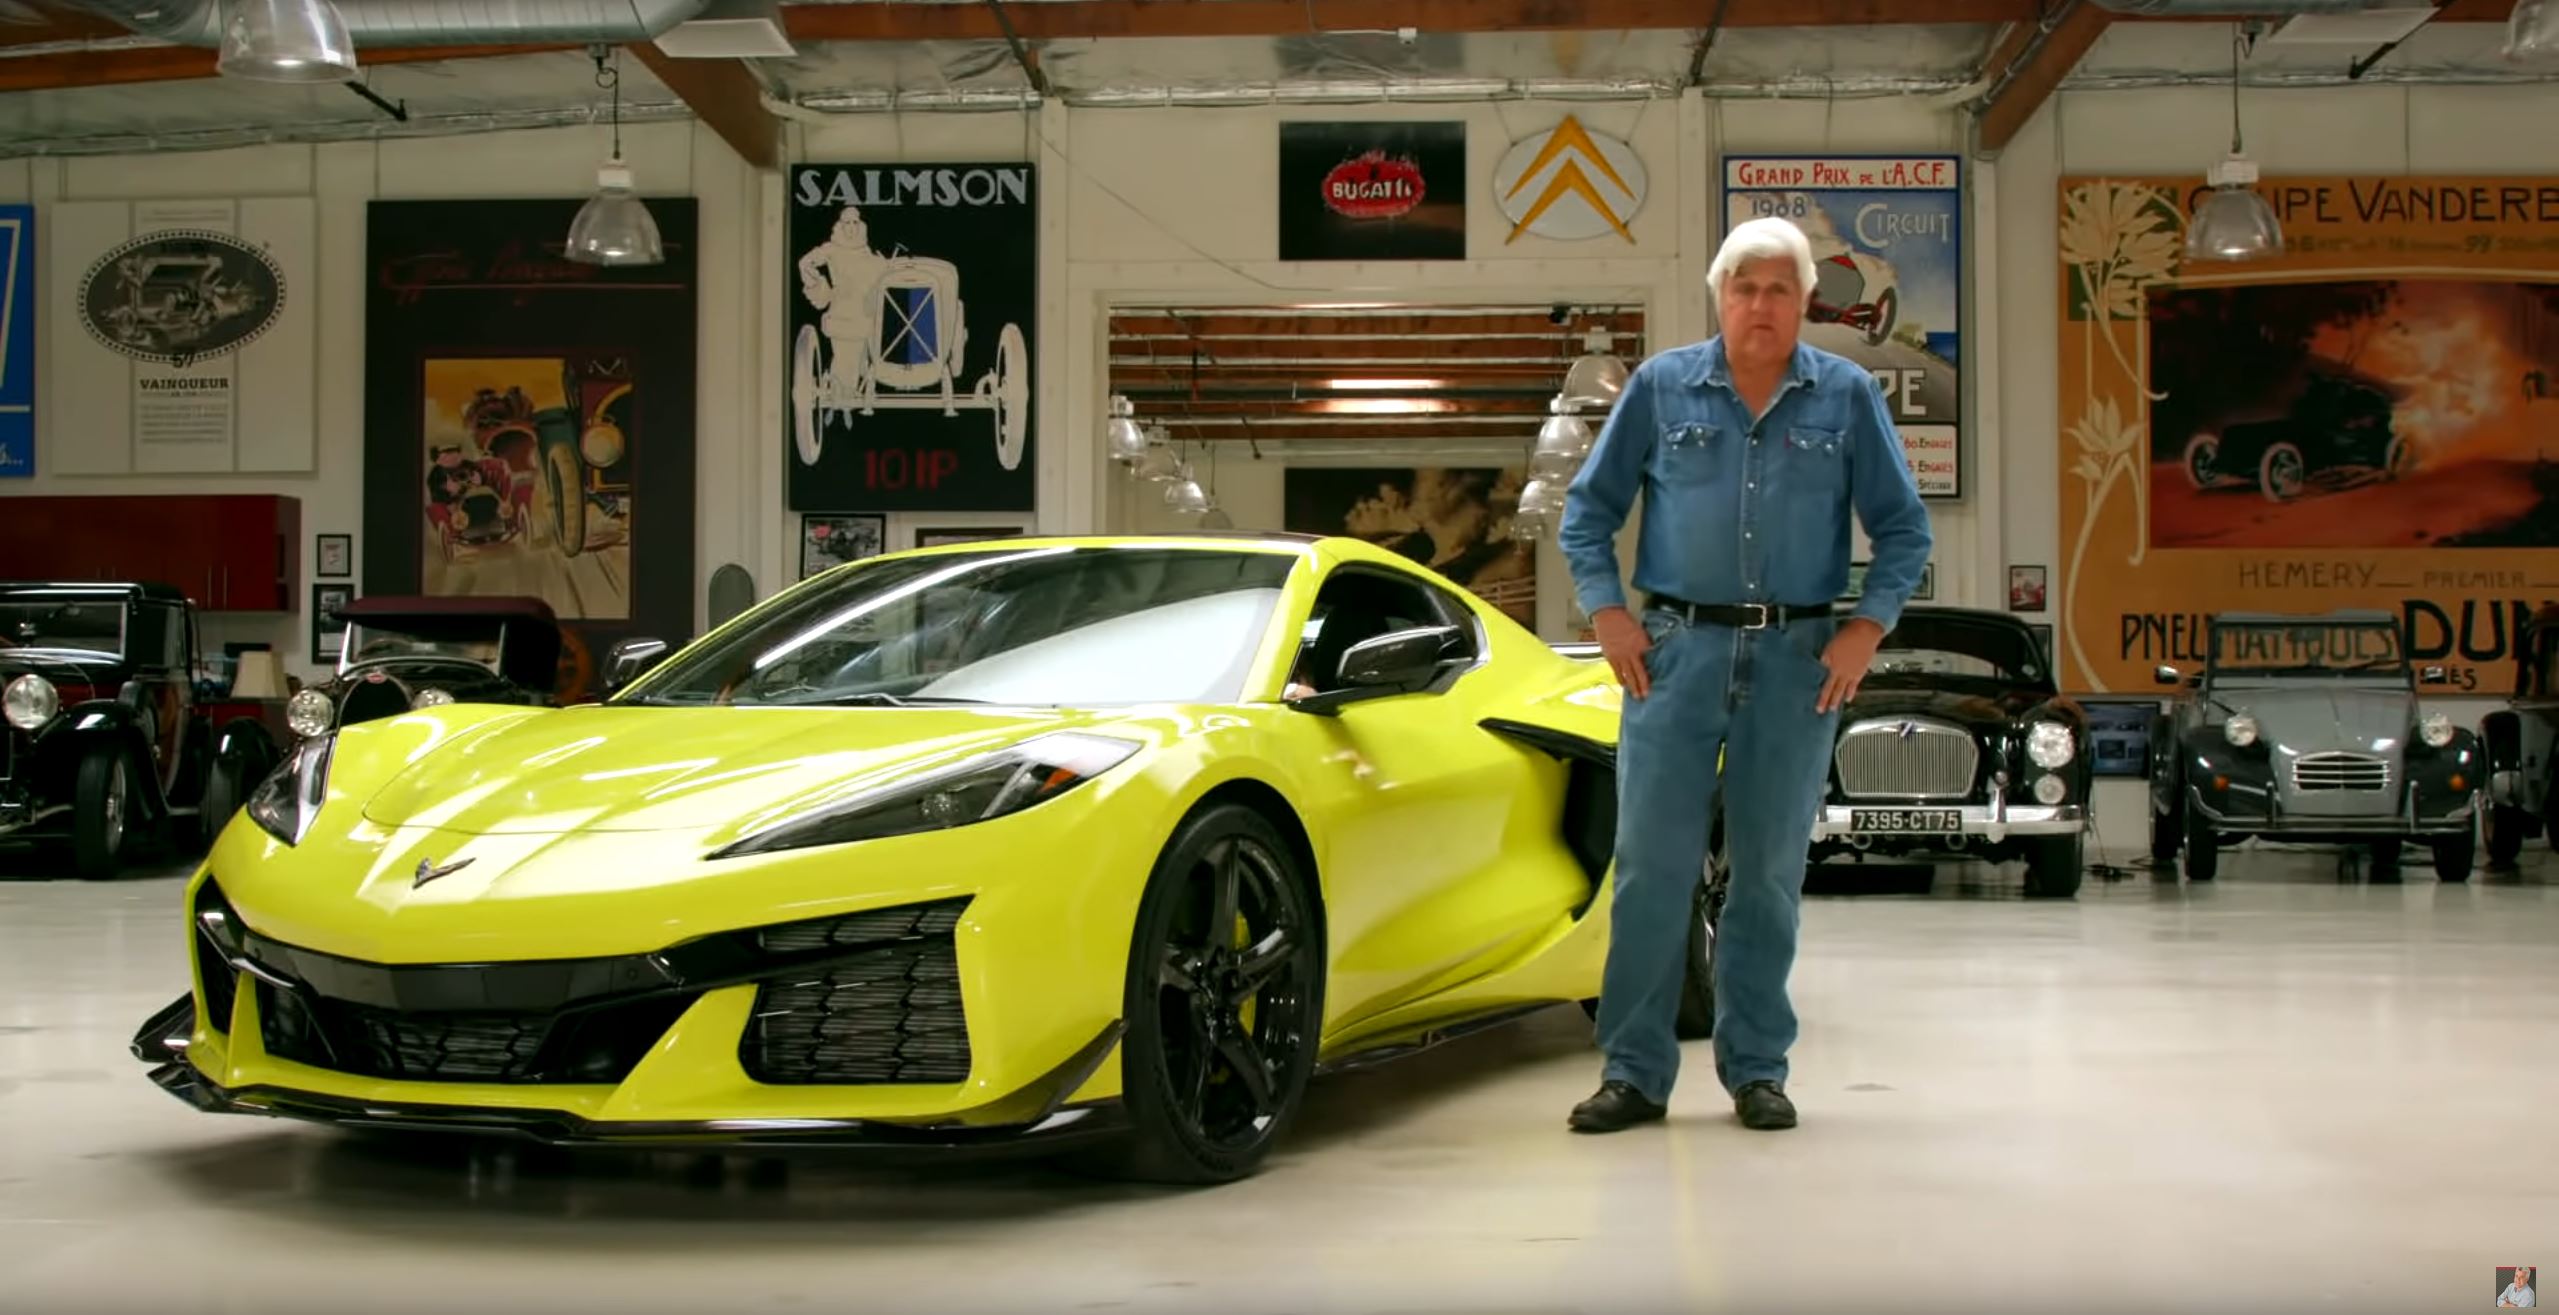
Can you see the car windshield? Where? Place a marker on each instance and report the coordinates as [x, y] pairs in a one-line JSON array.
[[88, 627], [480, 643], [1925, 649], [2308, 647], [1046, 626]]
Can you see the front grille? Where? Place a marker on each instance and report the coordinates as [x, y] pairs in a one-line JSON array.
[[368, 700], [888, 1014], [596, 1045], [213, 965], [2340, 771], [1900, 758]]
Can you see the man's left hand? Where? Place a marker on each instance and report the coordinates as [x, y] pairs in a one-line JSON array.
[[1850, 651]]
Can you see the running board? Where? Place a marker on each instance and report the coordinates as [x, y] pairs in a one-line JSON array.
[[1371, 1055]]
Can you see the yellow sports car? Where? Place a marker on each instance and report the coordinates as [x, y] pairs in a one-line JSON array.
[[1102, 845]]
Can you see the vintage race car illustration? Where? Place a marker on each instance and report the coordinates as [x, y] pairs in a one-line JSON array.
[[894, 333], [2340, 421], [2307, 729], [1101, 846], [1857, 290]]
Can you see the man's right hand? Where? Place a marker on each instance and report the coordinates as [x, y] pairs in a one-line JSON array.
[[1623, 642]]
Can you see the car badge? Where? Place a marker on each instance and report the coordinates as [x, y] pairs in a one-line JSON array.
[[1908, 729], [428, 871]]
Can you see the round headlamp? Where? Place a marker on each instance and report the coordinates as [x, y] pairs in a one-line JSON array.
[[31, 701], [2435, 729], [432, 698], [2051, 789], [309, 713], [2048, 744], [2240, 730]]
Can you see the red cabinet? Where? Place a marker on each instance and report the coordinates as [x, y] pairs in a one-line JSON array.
[[230, 552]]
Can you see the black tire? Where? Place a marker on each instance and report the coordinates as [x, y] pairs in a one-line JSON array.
[[2203, 848], [1696, 1020], [564, 487], [102, 811], [1186, 1125], [2167, 831], [2055, 865], [2455, 856], [221, 799], [2505, 835]]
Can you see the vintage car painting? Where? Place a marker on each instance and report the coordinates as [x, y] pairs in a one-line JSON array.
[[2307, 729], [404, 652], [106, 744], [2338, 421]]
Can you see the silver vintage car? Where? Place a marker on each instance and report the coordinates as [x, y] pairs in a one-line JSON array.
[[2307, 729]]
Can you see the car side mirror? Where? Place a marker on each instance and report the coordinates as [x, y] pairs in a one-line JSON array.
[[2166, 675], [2435, 676], [1401, 662], [628, 660]]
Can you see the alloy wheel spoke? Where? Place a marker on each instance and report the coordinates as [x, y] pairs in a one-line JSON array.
[[1177, 971], [1246, 1059], [1229, 879], [1267, 957]]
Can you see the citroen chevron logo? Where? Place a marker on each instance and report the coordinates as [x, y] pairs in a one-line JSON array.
[[1572, 165], [428, 871]]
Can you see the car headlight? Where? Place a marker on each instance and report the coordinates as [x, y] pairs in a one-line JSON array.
[[2435, 729], [432, 698], [31, 701], [2049, 744], [285, 803], [2240, 730], [309, 713], [977, 789]]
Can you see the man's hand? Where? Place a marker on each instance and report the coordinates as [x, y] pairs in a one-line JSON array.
[[1848, 654], [1623, 642]]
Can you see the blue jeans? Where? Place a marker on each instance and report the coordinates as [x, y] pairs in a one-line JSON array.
[[1714, 688]]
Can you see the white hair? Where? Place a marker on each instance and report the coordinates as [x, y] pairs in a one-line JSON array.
[[1769, 238]]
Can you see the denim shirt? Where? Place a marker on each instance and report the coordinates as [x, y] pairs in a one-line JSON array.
[[1743, 512]]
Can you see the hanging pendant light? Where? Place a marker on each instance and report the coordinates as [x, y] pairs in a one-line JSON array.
[[1596, 377], [2532, 33], [1123, 439], [614, 227], [1562, 442], [284, 41], [1184, 494], [2233, 223]]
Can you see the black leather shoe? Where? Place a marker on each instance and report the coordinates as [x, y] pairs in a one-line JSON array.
[[1617, 1105], [1763, 1105]]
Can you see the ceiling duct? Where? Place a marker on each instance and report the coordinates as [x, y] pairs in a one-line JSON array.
[[430, 22]]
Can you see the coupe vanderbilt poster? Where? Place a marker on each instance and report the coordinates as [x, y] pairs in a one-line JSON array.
[[2368, 421]]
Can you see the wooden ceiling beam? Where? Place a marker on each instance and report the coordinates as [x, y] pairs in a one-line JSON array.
[[725, 95], [2044, 68]]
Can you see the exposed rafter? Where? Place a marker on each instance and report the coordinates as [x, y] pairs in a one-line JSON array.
[[725, 95], [2041, 62]]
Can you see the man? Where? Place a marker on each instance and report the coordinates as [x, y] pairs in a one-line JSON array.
[[1751, 450], [2518, 1294]]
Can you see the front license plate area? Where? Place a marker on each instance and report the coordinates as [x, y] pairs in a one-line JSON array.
[[1906, 821]]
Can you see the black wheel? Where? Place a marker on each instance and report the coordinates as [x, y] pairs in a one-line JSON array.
[[2201, 451], [2455, 856], [2167, 830], [2505, 835], [221, 799], [1225, 1003], [564, 487], [2055, 864], [102, 805], [2281, 472], [1696, 1019], [2203, 848]]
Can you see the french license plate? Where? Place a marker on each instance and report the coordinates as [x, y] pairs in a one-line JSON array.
[[1923, 821]]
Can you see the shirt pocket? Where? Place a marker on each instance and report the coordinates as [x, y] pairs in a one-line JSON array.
[[1816, 460], [1688, 453]]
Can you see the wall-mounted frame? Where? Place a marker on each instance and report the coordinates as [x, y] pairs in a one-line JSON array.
[[328, 630], [2026, 588], [2118, 731], [1927, 587], [831, 539], [336, 557]]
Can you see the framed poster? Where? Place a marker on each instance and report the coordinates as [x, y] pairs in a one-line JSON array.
[[328, 629], [913, 329], [1454, 520], [529, 419], [827, 542], [17, 341], [2365, 422], [336, 557], [2025, 588], [1887, 281], [1372, 191]]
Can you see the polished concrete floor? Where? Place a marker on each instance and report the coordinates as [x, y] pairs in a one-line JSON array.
[[2294, 1089]]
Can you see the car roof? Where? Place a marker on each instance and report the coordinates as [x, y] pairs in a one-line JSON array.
[[94, 589]]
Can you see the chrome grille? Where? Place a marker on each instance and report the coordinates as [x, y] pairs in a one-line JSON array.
[[2340, 771], [1898, 757]]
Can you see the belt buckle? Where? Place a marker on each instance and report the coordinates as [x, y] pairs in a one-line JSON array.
[[1761, 611]]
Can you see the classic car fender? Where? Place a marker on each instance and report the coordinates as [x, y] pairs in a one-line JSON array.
[[2501, 739], [2443, 780], [73, 731], [2222, 777], [245, 745]]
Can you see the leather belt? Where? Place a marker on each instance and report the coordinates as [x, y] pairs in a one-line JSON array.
[[1743, 616]]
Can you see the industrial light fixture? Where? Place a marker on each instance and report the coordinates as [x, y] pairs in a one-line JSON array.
[[1184, 494], [1596, 377], [1127, 442], [614, 227], [2233, 223], [284, 41], [2532, 32]]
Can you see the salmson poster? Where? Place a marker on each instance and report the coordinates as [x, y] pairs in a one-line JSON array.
[[1887, 281], [2366, 422]]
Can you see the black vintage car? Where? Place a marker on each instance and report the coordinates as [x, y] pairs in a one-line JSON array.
[[106, 742], [1959, 746], [400, 652], [2338, 419], [2522, 744]]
